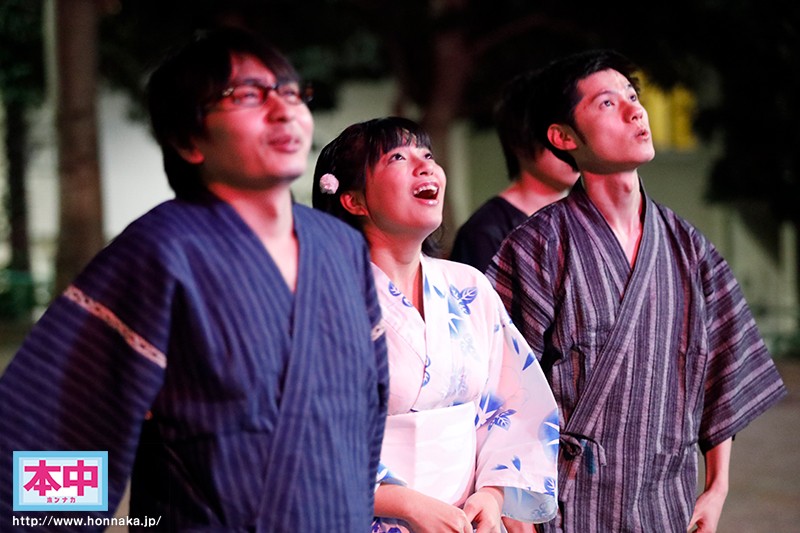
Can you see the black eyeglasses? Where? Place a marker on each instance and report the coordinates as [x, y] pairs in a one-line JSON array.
[[252, 93]]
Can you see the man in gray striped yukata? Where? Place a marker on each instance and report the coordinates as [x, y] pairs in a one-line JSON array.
[[645, 336]]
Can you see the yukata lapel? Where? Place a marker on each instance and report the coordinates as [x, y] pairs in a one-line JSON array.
[[292, 426], [438, 310], [401, 316], [579, 429], [592, 232]]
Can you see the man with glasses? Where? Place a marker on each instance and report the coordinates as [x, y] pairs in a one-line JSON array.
[[225, 349]]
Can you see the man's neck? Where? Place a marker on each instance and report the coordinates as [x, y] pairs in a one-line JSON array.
[[619, 199], [529, 194], [268, 212]]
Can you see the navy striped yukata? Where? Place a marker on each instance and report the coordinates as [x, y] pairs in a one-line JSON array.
[[646, 364], [244, 406]]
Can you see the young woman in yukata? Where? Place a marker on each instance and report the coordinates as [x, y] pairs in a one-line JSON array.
[[472, 431]]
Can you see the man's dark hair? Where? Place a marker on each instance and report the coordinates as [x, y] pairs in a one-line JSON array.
[[513, 119], [187, 82], [558, 90]]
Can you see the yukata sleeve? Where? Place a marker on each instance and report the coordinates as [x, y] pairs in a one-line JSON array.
[[380, 408], [89, 370], [524, 274], [517, 424], [741, 379], [387, 477]]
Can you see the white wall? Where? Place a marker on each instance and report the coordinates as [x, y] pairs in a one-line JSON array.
[[133, 182], [133, 179]]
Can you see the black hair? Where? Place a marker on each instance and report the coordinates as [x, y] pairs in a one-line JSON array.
[[558, 90], [187, 81], [350, 156], [514, 120]]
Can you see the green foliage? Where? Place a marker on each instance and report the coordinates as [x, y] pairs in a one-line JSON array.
[[757, 61], [742, 58], [21, 52], [324, 39], [17, 294]]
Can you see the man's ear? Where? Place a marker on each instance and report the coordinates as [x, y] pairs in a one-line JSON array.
[[562, 137], [353, 203], [189, 152]]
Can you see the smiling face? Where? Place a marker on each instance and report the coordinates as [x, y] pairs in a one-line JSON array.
[[404, 194], [253, 147], [611, 131]]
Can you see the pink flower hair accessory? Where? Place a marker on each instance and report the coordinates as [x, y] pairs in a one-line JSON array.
[[328, 184]]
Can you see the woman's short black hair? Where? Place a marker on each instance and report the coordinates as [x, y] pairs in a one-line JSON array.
[[350, 156]]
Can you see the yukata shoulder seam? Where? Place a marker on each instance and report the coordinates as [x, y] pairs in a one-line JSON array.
[[461, 268], [334, 228], [686, 232]]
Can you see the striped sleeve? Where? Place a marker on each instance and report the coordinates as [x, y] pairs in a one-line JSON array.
[[742, 381], [87, 374], [523, 277], [381, 366], [82, 380]]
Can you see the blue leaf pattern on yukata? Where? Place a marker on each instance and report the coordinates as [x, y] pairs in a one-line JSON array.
[[490, 403], [464, 298], [426, 377], [501, 420], [549, 434], [394, 291], [529, 361], [377, 526], [550, 486], [380, 524], [456, 317], [515, 461]]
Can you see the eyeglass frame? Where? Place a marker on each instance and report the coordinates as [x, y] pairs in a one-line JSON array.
[[303, 95]]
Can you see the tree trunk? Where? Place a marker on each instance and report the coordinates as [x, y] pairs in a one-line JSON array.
[[17, 295], [452, 64], [796, 228], [81, 217], [17, 200]]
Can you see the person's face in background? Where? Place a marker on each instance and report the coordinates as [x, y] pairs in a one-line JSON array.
[[548, 169]]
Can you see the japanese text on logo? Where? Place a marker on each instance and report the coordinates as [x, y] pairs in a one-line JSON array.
[[60, 481]]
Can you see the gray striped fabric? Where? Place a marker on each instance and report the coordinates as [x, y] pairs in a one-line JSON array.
[[264, 409], [646, 364]]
